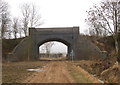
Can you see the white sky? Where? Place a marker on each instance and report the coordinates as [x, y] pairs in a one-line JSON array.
[[56, 48], [58, 13]]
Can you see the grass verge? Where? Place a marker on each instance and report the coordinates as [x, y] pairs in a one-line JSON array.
[[77, 75]]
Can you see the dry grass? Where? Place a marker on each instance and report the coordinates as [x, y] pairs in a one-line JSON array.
[[17, 72], [98, 67]]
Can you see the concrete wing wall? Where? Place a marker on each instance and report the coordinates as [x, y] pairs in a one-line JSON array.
[[86, 49], [20, 52]]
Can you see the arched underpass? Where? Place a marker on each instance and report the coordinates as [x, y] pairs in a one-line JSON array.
[[53, 50]]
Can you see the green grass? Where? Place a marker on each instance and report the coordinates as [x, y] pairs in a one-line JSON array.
[[78, 76], [75, 74], [17, 72]]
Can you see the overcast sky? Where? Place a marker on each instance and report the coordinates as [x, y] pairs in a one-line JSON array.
[[58, 13]]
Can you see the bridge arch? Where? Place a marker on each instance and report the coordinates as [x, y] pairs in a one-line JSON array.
[[38, 36], [58, 40]]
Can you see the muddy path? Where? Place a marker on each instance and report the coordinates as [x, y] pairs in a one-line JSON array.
[[54, 72]]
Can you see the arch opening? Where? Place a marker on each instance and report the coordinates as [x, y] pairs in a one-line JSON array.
[[53, 50]]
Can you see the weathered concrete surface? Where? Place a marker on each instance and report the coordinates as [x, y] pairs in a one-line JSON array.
[[28, 48], [86, 49], [20, 52]]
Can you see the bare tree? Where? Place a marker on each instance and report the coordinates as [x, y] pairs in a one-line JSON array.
[[4, 18], [35, 17], [3, 7], [104, 19], [26, 16], [15, 26], [48, 46], [31, 17], [118, 32]]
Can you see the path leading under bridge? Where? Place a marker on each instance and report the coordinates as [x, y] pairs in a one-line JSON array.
[[58, 72]]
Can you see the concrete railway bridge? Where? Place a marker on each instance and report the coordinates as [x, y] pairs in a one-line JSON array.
[[78, 45]]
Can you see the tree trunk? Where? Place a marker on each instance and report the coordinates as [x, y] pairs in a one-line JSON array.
[[118, 58], [116, 46], [15, 35]]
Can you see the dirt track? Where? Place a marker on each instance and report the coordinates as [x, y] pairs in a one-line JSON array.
[[54, 72], [57, 72]]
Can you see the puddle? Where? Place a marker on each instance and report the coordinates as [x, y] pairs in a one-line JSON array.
[[100, 81], [38, 70]]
